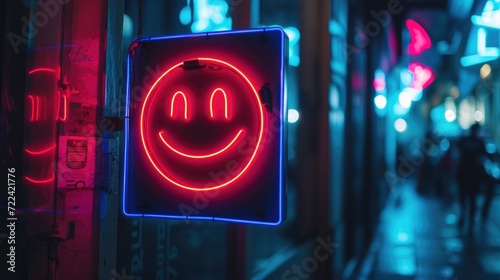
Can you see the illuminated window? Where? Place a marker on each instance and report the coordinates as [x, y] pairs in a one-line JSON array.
[[470, 111]]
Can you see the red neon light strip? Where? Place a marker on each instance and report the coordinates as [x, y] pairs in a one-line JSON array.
[[39, 181], [37, 108], [31, 152], [212, 99], [58, 107], [65, 106], [201, 156], [32, 108], [41, 70], [259, 140], [173, 102]]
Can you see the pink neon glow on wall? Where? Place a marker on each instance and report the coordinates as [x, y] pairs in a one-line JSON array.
[[419, 39]]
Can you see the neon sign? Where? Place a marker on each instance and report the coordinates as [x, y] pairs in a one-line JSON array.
[[419, 39], [38, 113], [422, 76], [154, 125], [488, 19], [210, 124]]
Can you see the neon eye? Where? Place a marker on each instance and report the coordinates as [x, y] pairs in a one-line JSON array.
[[218, 104], [179, 106]]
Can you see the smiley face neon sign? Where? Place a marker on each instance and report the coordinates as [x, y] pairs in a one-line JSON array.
[[195, 121], [205, 133]]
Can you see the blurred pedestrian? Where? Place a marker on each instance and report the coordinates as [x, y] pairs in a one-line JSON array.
[[470, 172], [492, 178], [446, 173]]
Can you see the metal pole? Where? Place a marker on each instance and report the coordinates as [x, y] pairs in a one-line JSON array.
[[236, 234]]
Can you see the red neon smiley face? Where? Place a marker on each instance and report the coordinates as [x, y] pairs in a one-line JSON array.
[[198, 123]]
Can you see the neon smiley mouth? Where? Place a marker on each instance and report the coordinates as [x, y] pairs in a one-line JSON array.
[[226, 147]]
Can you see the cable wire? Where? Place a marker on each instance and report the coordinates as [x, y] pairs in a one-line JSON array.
[[139, 19]]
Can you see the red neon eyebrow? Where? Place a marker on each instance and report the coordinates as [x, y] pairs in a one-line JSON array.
[[173, 102], [201, 156], [39, 152], [212, 100], [40, 181]]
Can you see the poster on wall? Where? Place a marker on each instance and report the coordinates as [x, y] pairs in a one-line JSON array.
[[76, 164]]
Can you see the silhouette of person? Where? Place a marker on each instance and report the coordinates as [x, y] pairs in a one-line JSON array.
[[446, 170], [470, 172], [490, 179]]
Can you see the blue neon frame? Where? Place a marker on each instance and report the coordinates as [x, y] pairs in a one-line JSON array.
[[282, 131]]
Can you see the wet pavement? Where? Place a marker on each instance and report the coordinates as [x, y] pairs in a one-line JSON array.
[[419, 238]]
